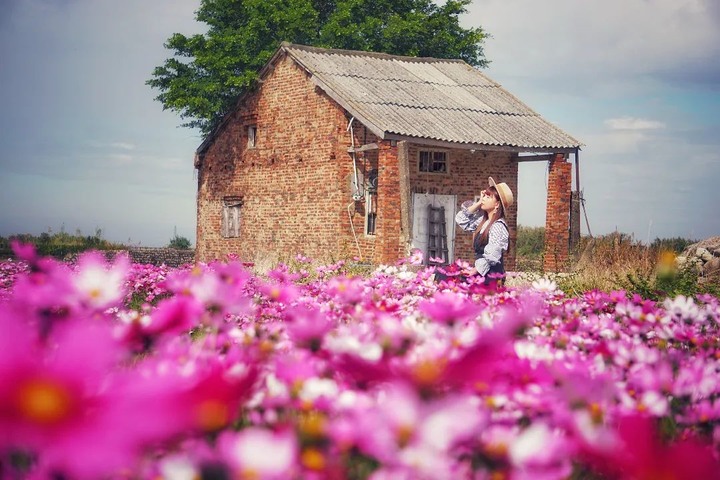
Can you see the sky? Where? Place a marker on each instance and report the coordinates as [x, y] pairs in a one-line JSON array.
[[85, 146]]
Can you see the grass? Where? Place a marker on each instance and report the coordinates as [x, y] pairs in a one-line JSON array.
[[59, 244]]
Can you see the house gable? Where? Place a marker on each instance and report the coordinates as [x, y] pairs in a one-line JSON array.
[[289, 182]]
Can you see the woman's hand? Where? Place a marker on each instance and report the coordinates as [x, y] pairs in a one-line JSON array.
[[475, 206]]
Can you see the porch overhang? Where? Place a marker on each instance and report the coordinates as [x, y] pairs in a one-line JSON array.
[[477, 146]]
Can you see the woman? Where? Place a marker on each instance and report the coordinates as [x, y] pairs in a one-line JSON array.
[[486, 219]]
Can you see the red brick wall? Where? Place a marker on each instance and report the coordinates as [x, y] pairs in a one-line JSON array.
[[467, 175], [388, 248], [293, 190], [366, 162], [557, 216], [296, 182]]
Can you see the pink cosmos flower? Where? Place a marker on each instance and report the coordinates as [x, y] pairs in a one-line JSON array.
[[448, 307], [178, 314], [214, 399], [417, 257], [219, 287], [307, 326], [56, 399], [642, 455]]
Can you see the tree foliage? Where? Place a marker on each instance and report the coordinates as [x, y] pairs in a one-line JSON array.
[[179, 242], [207, 72]]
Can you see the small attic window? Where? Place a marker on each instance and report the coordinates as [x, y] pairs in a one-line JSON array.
[[251, 135], [432, 161]]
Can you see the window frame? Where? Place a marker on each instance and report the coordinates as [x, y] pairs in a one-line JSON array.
[[251, 132], [433, 152], [370, 213], [230, 221], [371, 195]]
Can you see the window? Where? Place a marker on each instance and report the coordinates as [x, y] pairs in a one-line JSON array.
[[432, 161], [230, 227], [252, 134], [370, 212], [371, 202]]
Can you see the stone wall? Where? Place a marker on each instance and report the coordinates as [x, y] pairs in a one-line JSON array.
[[154, 256], [704, 257]]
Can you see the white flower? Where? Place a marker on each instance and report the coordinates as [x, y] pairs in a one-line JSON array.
[[683, 308], [314, 388], [178, 468], [100, 284], [654, 402], [417, 257], [530, 444], [544, 285], [264, 454]]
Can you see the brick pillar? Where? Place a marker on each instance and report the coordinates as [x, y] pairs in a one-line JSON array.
[[387, 239], [557, 215]]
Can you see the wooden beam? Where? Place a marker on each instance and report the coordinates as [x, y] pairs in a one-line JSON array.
[[363, 148], [535, 158]]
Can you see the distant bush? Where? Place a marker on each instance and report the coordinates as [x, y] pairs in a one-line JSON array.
[[676, 244], [59, 244], [179, 242], [530, 241]]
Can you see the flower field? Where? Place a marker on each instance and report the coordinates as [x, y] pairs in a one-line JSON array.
[[116, 370]]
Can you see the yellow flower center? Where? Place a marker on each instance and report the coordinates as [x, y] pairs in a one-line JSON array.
[[212, 415], [312, 424], [426, 372], [312, 459], [44, 401], [404, 435], [596, 413]]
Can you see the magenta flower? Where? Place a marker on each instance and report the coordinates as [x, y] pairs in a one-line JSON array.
[[642, 455], [307, 326], [449, 308], [178, 314], [56, 399]]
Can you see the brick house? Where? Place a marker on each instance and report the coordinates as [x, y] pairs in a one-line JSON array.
[[339, 154]]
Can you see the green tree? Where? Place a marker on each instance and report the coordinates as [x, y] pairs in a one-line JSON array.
[[179, 242], [207, 72]]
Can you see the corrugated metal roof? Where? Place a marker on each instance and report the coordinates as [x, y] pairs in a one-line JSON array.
[[436, 99]]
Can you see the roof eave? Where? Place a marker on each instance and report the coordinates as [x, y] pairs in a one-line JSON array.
[[481, 146]]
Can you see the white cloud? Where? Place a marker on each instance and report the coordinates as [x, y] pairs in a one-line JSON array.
[[112, 145], [123, 145], [615, 142], [595, 41], [630, 123], [120, 159]]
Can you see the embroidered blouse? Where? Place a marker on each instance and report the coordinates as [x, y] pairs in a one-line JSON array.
[[498, 238]]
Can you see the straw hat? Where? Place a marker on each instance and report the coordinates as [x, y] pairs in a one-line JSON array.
[[506, 195]]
